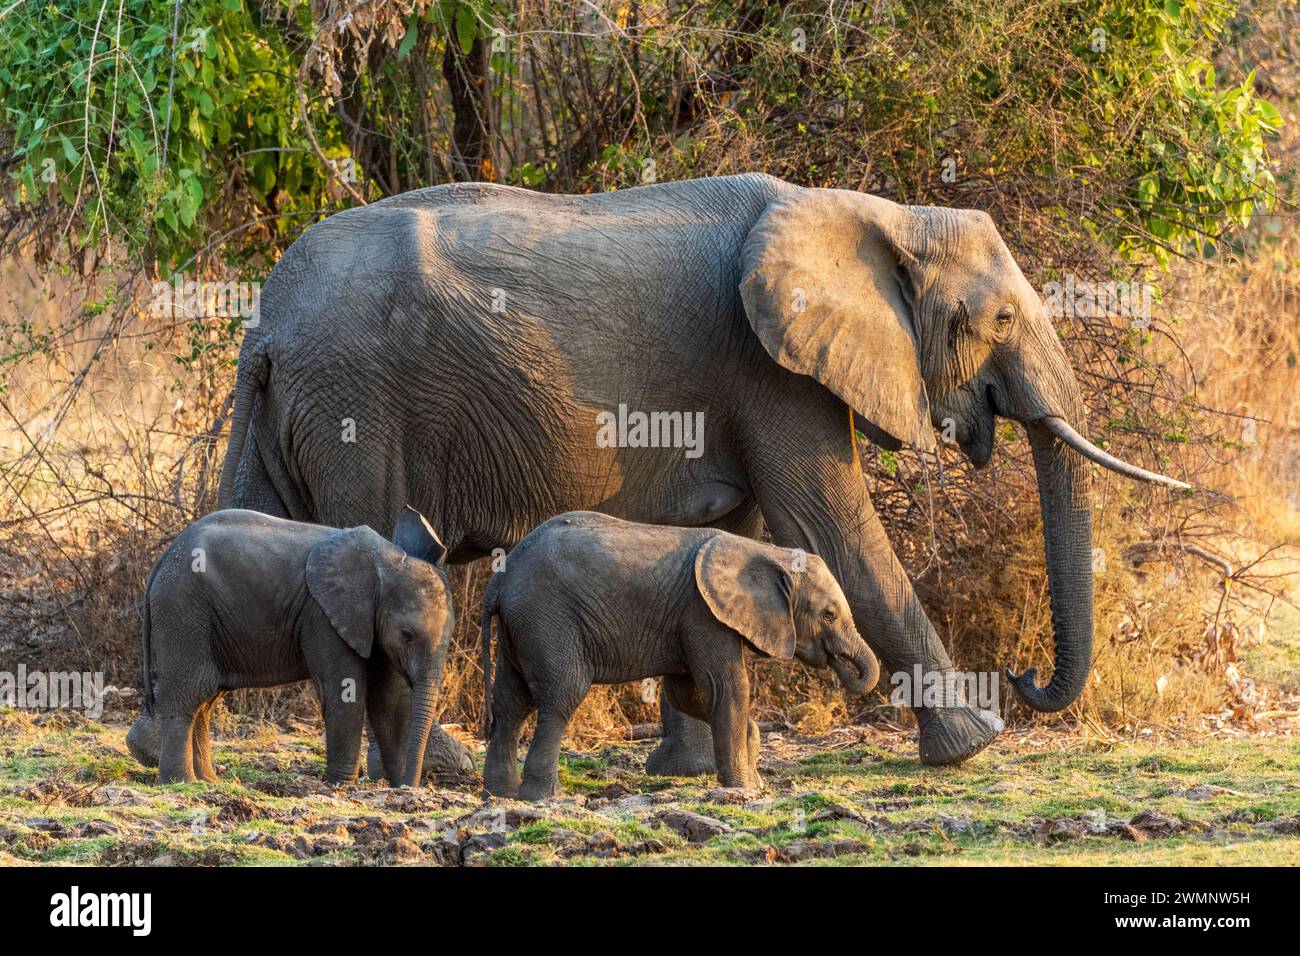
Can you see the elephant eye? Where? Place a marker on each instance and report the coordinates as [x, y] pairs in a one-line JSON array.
[[1006, 314], [828, 615], [408, 636]]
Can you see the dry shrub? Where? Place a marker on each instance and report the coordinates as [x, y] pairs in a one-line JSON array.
[[1242, 343], [109, 450], [462, 682], [1148, 666], [606, 714]]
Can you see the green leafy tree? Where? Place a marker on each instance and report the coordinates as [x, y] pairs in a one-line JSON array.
[[159, 126]]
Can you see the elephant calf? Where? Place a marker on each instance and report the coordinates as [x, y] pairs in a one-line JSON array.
[[242, 599], [589, 599]]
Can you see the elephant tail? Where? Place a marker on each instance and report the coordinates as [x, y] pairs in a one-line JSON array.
[[491, 596], [146, 642], [251, 377]]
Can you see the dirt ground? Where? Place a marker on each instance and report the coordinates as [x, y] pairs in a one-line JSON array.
[[70, 794]]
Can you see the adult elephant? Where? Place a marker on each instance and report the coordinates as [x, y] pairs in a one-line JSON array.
[[462, 347]]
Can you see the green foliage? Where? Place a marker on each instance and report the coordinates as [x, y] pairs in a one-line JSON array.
[[154, 144], [1108, 112], [1199, 160]]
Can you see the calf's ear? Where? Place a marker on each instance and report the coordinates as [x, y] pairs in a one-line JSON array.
[[750, 590], [414, 535], [343, 580]]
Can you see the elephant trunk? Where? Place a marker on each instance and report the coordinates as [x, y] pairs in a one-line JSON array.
[[422, 712], [1063, 495], [858, 673]]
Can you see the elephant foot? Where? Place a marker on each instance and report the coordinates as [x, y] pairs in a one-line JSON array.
[[143, 740], [951, 734], [508, 789], [501, 781], [374, 762], [741, 783], [443, 754], [687, 754], [446, 754], [168, 777], [532, 791]]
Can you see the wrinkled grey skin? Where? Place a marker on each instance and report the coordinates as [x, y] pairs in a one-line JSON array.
[[142, 739], [444, 754], [474, 332], [589, 599], [243, 599]]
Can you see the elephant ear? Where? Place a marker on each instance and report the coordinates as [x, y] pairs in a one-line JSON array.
[[828, 290], [342, 578], [414, 535], [750, 590]]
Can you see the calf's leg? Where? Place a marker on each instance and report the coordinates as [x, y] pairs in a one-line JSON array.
[[512, 703]]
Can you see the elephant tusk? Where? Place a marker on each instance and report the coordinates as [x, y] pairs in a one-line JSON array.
[[1062, 430]]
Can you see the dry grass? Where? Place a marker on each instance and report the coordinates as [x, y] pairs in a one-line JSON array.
[[69, 795]]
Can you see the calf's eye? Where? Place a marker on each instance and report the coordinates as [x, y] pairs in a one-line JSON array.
[[828, 615]]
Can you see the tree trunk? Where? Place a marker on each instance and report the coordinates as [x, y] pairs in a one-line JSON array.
[[467, 83]]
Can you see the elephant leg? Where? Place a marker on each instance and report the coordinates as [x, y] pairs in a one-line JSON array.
[[443, 753], [747, 521], [202, 741], [755, 743], [142, 740], [687, 747], [564, 688], [386, 757], [374, 756], [804, 470], [733, 750], [343, 722], [542, 765], [178, 710], [512, 703], [176, 748]]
